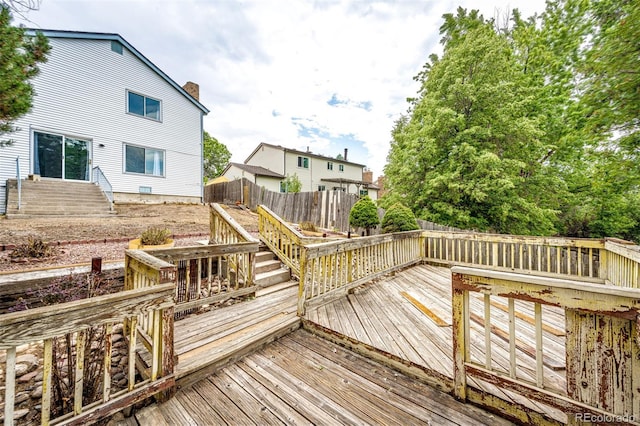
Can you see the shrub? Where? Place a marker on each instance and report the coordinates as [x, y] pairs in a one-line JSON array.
[[308, 226], [364, 214], [33, 248], [155, 236], [399, 218]]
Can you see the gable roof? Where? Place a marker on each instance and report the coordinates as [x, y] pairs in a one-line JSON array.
[[305, 153], [255, 170], [117, 37]]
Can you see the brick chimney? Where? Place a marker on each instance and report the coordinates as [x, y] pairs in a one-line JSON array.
[[367, 176], [193, 89]]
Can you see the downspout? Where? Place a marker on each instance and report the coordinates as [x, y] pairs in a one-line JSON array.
[[201, 157]]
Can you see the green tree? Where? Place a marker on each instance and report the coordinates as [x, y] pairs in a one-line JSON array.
[[364, 214], [19, 59], [291, 184], [215, 157], [470, 154], [398, 218]]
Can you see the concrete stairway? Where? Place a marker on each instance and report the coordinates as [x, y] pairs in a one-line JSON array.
[[56, 198]]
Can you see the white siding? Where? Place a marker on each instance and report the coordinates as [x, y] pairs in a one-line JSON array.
[[81, 91], [270, 183], [233, 173], [291, 168], [271, 158]]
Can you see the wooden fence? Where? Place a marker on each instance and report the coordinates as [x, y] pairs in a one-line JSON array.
[[325, 209]]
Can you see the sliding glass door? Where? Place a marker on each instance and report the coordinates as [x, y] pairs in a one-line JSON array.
[[62, 157]]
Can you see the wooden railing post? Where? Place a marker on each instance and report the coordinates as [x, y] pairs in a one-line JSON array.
[[302, 288], [459, 338]]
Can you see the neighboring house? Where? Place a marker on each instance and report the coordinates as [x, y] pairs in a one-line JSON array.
[[256, 174], [316, 172], [100, 103]]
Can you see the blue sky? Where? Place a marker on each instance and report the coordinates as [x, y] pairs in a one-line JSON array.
[[324, 74]]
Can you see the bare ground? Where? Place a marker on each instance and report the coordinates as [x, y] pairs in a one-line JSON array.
[[81, 238]]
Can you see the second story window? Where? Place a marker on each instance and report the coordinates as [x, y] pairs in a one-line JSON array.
[[303, 162], [341, 167], [143, 106], [329, 165]]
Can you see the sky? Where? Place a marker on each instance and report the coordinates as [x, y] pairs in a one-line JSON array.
[[322, 75]]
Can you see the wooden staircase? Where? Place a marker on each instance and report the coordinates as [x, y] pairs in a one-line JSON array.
[[207, 342], [53, 197]]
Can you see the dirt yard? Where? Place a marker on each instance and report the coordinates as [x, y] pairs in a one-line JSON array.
[[106, 236]]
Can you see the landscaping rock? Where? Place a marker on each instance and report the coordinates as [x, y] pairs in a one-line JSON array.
[[36, 393], [27, 377], [21, 397], [30, 360]]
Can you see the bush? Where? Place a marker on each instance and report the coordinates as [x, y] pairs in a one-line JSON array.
[[308, 226], [33, 248], [155, 236], [364, 214], [399, 218]]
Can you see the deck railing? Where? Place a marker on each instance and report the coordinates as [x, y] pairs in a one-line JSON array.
[[330, 269], [283, 239], [225, 230], [101, 180], [543, 256], [209, 274], [622, 264], [602, 353], [69, 332]]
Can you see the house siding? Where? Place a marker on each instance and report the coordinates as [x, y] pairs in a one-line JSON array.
[[82, 91], [270, 158]]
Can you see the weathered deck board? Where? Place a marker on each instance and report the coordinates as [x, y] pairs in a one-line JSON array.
[[207, 341], [303, 379], [395, 326]]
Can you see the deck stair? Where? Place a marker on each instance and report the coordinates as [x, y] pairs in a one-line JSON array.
[[269, 270], [52, 197]]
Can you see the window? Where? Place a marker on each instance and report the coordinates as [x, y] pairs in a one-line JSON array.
[[329, 165], [303, 162], [283, 187], [146, 161], [364, 192], [116, 46], [143, 106], [322, 188], [341, 167]]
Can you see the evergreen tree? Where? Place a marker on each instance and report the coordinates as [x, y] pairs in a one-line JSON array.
[[19, 59], [364, 214]]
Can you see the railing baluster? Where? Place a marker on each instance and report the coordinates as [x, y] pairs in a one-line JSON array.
[[10, 386], [539, 360], [487, 330], [47, 358], [78, 384], [106, 374], [512, 339], [131, 376]]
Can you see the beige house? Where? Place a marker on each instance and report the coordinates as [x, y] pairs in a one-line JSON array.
[[256, 174], [316, 172]]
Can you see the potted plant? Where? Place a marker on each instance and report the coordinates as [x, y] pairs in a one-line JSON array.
[[153, 238]]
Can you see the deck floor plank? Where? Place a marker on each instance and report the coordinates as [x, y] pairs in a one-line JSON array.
[[395, 326]]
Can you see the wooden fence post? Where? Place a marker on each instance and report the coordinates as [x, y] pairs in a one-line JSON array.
[[459, 336]]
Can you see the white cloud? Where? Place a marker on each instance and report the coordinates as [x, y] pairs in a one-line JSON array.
[[254, 57]]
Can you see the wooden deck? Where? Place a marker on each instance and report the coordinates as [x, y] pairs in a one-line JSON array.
[[302, 379], [205, 342], [407, 318]]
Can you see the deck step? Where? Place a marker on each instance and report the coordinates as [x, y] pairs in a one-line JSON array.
[[276, 287], [265, 255], [277, 276], [267, 265]]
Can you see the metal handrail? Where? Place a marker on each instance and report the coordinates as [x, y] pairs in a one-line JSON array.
[[101, 180], [19, 183]]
